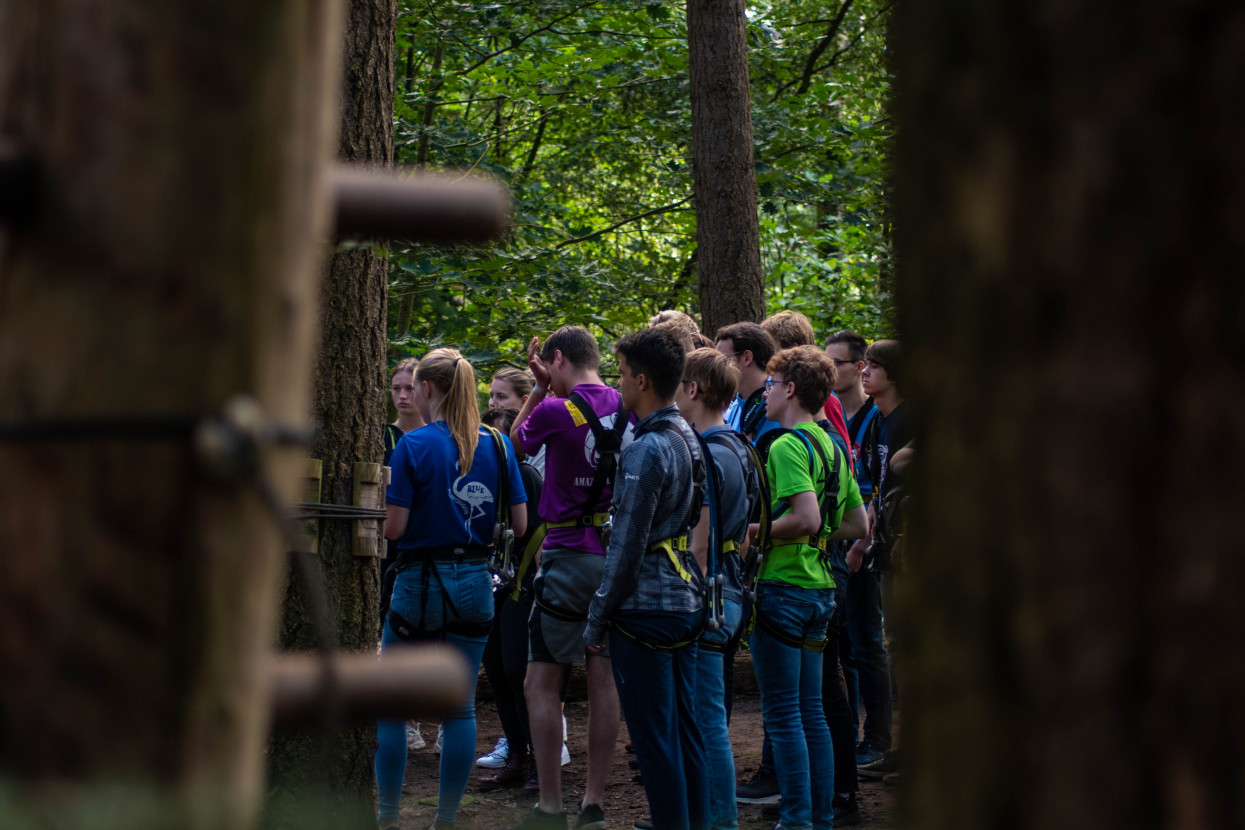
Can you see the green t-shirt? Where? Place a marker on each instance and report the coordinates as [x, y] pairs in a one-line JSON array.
[[787, 468]]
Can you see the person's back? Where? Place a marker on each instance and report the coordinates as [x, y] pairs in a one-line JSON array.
[[570, 413], [452, 482], [889, 432], [649, 603], [710, 380], [814, 500], [865, 663], [559, 425]]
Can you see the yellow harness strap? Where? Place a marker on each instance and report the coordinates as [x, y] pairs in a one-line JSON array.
[[820, 541], [598, 520], [670, 546]]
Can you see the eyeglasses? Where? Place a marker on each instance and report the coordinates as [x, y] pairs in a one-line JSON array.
[[769, 383]]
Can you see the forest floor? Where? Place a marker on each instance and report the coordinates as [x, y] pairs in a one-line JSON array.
[[624, 800]]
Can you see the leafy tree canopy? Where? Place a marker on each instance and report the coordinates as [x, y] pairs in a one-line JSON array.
[[582, 109]]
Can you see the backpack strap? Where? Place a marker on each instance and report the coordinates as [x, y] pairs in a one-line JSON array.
[[609, 444], [715, 581], [862, 432], [681, 543], [500, 560], [752, 412], [698, 472], [829, 488], [762, 512]]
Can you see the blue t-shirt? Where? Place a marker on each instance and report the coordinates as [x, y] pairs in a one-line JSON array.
[[738, 410], [448, 509]]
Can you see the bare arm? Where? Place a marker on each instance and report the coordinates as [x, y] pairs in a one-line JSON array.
[[395, 521], [901, 459], [518, 519], [803, 520], [856, 553], [541, 373], [700, 540], [855, 523]]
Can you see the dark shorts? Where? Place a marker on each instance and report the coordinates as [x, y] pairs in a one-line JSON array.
[[564, 587]]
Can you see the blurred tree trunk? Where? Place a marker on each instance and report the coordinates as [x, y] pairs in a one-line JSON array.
[[1071, 190], [728, 236], [334, 771], [168, 263]]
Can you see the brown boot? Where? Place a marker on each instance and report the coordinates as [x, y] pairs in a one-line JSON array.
[[512, 774]]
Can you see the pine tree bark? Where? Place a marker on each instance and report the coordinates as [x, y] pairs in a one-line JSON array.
[[1070, 184], [732, 286], [167, 262], [333, 767]]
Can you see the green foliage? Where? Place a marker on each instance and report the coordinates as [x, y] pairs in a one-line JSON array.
[[582, 109]]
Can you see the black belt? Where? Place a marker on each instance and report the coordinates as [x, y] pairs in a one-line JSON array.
[[447, 553]]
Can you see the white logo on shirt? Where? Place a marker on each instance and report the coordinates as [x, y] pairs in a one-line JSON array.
[[470, 498]]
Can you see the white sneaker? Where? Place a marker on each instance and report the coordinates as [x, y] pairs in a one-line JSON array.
[[440, 739], [414, 740], [566, 755], [497, 758]]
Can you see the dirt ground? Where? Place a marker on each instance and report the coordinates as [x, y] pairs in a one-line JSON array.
[[624, 801]]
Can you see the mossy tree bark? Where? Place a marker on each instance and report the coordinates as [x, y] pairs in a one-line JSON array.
[[333, 768], [1070, 185], [167, 263], [728, 236]]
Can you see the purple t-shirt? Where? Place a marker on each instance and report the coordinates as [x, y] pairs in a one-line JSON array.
[[571, 461]]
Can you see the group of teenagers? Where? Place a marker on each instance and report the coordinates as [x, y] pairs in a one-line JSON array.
[[644, 531]]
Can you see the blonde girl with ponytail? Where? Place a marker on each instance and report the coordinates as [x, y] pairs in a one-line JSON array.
[[446, 479]]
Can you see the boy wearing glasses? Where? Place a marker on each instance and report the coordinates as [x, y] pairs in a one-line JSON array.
[[815, 500], [750, 347]]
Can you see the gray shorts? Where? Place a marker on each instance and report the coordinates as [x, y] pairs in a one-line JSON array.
[[564, 587]]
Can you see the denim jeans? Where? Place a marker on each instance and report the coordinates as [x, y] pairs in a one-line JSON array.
[[711, 710], [790, 681], [420, 596], [866, 667], [654, 688]]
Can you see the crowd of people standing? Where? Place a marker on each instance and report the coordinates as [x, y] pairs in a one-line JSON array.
[[740, 490]]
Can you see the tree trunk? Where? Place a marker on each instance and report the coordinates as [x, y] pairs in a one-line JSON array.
[[332, 768], [1070, 188], [167, 264], [732, 285]]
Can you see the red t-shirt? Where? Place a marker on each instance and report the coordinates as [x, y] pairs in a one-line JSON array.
[[834, 412]]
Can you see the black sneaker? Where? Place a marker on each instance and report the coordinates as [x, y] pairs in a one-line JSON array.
[[882, 768], [761, 788], [866, 754], [591, 817], [538, 819], [846, 813]]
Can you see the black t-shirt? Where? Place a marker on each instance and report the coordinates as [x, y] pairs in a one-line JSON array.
[[886, 436]]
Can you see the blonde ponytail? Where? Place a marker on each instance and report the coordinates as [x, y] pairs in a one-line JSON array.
[[453, 375]]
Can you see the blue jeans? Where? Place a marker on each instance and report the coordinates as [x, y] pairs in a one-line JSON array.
[[790, 681], [655, 690], [866, 667], [422, 597], [711, 710]]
